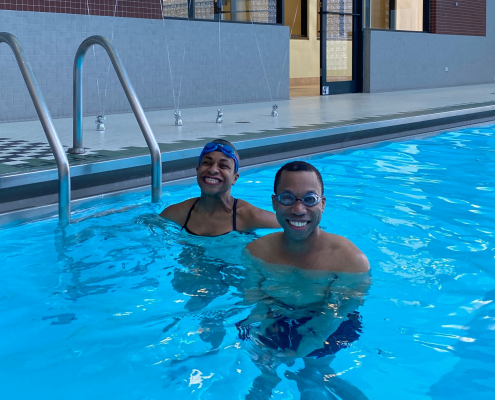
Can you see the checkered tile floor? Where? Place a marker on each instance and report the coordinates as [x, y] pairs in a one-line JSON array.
[[19, 152], [22, 156], [15, 152]]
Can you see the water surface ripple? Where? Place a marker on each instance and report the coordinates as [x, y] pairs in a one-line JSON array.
[[120, 305]]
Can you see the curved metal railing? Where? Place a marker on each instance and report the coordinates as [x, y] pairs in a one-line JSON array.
[[47, 123], [156, 161]]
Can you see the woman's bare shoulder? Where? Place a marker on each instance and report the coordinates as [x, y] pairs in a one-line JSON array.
[[252, 217], [245, 209], [243, 205], [178, 212]]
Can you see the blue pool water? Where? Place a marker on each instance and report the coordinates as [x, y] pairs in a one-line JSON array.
[[119, 305]]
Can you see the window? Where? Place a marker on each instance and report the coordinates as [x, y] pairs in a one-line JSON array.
[[400, 15], [204, 9], [296, 18], [258, 11], [176, 8], [261, 11]]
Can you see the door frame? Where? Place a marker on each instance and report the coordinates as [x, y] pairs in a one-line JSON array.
[[356, 85]]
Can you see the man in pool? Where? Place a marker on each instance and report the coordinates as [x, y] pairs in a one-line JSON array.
[[306, 293], [299, 203]]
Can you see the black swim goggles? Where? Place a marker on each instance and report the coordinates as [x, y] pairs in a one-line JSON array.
[[310, 199], [224, 148]]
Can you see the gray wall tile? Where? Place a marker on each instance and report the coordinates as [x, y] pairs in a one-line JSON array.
[[412, 60], [209, 77]]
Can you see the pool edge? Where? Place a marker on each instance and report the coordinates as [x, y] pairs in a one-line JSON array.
[[254, 153]]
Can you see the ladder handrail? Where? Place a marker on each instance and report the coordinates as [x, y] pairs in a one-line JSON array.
[[47, 123], [156, 161]]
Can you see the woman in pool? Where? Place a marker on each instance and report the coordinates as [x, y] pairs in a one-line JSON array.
[[216, 212]]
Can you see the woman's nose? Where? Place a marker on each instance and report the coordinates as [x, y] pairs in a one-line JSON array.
[[213, 169]]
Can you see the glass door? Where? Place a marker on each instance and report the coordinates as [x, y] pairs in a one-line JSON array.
[[340, 46]]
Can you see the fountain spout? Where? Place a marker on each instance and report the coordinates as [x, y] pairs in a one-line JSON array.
[[275, 110], [100, 123], [219, 116], [178, 118]]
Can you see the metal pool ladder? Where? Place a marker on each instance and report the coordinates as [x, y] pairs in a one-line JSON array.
[[156, 159], [48, 127]]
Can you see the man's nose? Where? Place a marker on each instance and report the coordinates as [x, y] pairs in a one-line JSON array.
[[298, 208]]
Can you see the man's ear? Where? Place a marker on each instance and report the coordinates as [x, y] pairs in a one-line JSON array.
[[323, 201]]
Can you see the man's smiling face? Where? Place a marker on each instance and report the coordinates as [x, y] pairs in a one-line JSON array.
[[297, 220]]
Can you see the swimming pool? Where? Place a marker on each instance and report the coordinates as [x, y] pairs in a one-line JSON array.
[[119, 305]]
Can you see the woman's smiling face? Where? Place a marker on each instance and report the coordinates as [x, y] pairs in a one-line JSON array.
[[216, 173]]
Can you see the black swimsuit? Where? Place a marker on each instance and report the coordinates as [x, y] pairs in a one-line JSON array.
[[234, 211], [283, 334]]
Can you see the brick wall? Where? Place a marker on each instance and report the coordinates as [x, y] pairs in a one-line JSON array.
[[467, 18], [149, 9]]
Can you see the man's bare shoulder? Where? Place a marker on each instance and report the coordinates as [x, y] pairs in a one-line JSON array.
[[346, 254], [178, 212], [262, 247]]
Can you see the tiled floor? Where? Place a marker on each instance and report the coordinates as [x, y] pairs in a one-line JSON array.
[[23, 145]]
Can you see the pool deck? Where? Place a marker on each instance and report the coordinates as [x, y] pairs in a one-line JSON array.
[[119, 158]]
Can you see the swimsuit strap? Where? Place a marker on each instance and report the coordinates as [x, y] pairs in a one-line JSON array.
[[189, 215], [234, 216]]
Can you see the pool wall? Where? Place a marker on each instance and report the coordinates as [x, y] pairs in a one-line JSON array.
[[209, 76]]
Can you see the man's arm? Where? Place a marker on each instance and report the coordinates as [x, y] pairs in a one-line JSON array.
[[348, 257], [346, 294], [260, 247], [358, 262]]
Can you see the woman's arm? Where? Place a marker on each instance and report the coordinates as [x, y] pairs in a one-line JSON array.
[[178, 212], [253, 218]]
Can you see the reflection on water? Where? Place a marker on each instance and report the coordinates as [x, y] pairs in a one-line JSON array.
[[119, 262], [301, 314], [281, 313], [475, 369], [205, 279], [125, 304]]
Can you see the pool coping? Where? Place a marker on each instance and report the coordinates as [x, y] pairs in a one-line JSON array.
[[181, 163]]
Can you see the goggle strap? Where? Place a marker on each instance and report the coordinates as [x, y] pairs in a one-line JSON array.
[[211, 147]]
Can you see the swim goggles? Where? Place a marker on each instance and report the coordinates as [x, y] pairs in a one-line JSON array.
[[309, 199], [224, 148]]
